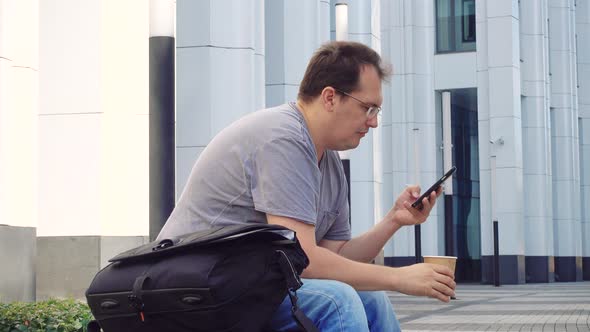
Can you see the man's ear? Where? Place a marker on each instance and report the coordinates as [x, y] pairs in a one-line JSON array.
[[328, 97]]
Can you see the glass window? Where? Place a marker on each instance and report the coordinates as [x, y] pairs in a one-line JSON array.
[[455, 26]]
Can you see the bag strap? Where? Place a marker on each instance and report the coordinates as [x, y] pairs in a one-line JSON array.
[[93, 326], [136, 297], [293, 284], [304, 322]]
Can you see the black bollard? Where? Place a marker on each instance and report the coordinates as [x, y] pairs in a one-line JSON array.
[[496, 256], [346, 166], [418, 243]]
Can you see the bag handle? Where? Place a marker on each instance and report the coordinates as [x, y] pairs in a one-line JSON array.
[[294, 283]]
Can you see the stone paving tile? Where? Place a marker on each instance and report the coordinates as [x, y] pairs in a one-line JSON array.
[[506, 311], [423, 307], [544, 299], [531, 307], [489, 327], [525, 307], [491, 319]]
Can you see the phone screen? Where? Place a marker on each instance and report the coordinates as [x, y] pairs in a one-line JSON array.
[[418, 203]]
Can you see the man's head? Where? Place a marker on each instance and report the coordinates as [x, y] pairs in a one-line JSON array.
[[338, 64], [343, 84]]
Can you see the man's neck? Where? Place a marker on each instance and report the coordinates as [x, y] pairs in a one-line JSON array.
[[309, 115]]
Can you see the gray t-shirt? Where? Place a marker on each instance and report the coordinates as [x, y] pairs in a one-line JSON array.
[[264, 163]]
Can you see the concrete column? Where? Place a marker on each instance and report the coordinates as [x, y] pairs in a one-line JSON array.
[[576, 134], [162, 115], [583, 63], [564, 122], [538, 221], [366, 175], [70, 117], [294, 30], [576, 139], [359, 21], [424, 117], [220, 57], [404, 21], [395, 127], [387, 194], [409, 36], [379, 209], [93, 134], [408, 44], [325, 21], [124, 126], [259, 56], [19, 72], [93, 119], [548, 82], [499, 108], [483, 117]]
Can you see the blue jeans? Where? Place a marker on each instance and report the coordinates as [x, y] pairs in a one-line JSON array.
[[336, 306]]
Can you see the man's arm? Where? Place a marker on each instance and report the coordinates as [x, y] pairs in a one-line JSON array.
[[365, 247], [421, 279]]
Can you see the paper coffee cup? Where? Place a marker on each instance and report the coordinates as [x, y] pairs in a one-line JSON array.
[[448, 261]]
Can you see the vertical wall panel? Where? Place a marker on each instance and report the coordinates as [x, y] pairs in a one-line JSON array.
[[219, 52], [535, 126], [566, 220]]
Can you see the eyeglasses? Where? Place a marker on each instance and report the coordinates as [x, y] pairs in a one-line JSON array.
[[372, 110]]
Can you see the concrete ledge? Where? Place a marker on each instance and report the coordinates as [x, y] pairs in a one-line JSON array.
[[111, 246], [468, 270], [516, 269], [399, 261], [17, 261], [67, 264], [540, 269], [568, 268], [512, 269]]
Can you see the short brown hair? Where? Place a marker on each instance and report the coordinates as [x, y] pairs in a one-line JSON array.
[[338, 64]]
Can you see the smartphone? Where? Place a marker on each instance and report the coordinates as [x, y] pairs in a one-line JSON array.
[[418, 203]]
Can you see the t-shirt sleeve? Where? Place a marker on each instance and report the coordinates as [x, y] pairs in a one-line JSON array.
[[340, 229], [284, 180]]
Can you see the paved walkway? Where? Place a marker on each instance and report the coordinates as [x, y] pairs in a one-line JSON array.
[[529, 307]]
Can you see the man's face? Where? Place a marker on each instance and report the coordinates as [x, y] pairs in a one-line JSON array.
[[350, 121]]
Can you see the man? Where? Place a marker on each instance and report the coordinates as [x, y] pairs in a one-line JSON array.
[[280, 166]]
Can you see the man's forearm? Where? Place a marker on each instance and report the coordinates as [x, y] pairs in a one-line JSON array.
[[419, 279], [325, 264], [365, 247]]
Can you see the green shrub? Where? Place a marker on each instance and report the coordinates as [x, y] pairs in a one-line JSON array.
[[47, 316]]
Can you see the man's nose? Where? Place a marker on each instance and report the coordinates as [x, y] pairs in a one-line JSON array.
[[373, 122]]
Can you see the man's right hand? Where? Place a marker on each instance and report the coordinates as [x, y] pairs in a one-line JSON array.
[[425, 279]]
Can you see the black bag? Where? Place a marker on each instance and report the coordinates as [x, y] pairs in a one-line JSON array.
[[223, 279]]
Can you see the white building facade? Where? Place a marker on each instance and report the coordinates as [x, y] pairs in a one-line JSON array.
[[510, 80], [515, 74]]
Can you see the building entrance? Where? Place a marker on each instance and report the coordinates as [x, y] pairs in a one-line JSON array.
[[463, 238]]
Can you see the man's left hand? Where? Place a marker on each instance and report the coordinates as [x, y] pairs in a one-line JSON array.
[[402, 212]]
